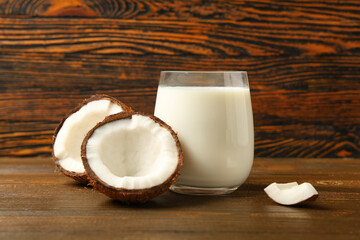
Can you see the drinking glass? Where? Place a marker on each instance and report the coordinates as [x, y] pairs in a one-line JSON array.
[[212, 114]]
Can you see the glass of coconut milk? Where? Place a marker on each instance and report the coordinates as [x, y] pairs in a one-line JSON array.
[[212, 114]]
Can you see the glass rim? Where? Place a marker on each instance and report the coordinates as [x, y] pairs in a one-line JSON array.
[[214, 72]]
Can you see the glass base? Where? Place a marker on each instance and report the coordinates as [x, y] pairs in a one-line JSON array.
[[201, 191]]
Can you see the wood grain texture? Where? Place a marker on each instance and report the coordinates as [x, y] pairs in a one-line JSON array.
[[174, 37], [330, 127], [40, 204], [307, 11], [302, 59]]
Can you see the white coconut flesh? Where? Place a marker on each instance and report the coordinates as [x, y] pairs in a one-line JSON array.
[[290, 193], [67, 145], [136, 153]]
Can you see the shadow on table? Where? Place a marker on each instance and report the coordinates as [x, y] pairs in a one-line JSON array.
[[168, 200], [174, 200], [312, 206], [250, 194]]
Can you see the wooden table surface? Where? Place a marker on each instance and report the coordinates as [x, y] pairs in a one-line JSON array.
[[38, 203]]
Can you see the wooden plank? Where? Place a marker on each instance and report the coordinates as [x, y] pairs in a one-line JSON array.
[[38, 203], [34, 138], [175, 37], [270, 107], [32, 71], [270, 10], [307, 141]]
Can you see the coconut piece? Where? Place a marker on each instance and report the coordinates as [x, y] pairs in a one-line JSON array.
[[132, 157], [291, 193], [73, 128]]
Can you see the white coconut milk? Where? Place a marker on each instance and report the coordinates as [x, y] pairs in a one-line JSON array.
[[215, 128]]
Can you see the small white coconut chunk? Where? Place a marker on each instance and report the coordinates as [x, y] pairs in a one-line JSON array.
[[134, 153], [291, 193], [67, 145]]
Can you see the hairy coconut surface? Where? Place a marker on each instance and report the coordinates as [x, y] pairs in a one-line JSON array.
[[73, 128], [132, 157]]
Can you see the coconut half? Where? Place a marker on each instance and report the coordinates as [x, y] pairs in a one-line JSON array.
[[291, 193], [73, 128], [132, 157]]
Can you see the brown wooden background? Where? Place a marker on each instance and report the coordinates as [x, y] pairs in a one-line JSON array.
[[302, 57]]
